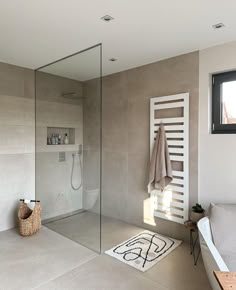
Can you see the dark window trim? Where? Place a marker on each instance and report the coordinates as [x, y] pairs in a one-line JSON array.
[[217, 80]]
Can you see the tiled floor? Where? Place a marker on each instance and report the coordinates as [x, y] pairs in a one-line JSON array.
[[26, 263], [50, 261], [84, 228]]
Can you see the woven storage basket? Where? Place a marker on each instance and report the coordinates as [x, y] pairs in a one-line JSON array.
[[29, 220]]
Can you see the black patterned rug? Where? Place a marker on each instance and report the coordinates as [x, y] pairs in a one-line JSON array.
[[144, 250]]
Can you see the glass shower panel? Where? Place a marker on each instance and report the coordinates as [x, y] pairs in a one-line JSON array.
[[68, 146]]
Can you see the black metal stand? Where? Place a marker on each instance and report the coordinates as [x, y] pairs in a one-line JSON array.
[[194, 244]]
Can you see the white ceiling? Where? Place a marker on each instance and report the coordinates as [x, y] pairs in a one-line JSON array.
[[34, 33]]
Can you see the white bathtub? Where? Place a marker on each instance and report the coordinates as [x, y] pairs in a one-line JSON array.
[[211, 257]]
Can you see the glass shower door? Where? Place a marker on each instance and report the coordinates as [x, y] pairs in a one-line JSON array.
[[68, 146]]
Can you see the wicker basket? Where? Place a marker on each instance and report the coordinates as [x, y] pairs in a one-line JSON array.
[[29, 220]]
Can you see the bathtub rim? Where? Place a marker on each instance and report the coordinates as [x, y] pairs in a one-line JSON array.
[[205, 232]]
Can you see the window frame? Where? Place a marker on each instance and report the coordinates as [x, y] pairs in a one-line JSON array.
[[217, 80]]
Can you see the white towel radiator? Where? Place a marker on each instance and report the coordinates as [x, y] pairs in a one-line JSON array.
[[173, 203]]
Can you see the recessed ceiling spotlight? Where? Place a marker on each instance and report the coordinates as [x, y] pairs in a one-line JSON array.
[[107, 18], [218, 26], [113, 59]]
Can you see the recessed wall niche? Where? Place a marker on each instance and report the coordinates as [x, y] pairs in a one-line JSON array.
[[57, 136]]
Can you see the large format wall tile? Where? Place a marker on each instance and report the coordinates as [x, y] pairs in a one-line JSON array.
[[53, 177], [137, 187], [92, 140], [53, 88], [12, 80], [17, 181], [92, 114], [114, 184], [16, 110], [138, 126], [126, 136], [125, 122], [59, 114], [53, 185], [16, 139], [17, 142]]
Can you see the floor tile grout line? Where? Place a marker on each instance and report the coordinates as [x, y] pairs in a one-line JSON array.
[[73, 268], [137, 273]]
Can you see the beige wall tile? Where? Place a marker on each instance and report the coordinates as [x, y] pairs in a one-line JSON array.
[[17, 142], [125, 127], [125, 139], [16, 139], [16, 110], [17, 181], [17, 160], [11, 80], [114, 184], [53, 186], [52, 87]]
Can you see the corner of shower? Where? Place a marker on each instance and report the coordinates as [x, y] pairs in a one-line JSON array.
[[68, 145]]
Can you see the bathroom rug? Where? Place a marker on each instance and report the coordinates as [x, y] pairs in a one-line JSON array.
[[144, 250]]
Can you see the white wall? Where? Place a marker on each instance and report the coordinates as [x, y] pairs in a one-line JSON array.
[[217, 153]]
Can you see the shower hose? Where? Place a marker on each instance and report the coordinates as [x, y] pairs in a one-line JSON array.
[[72, 171]]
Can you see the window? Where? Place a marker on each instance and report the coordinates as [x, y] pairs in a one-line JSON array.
[[224, 103]]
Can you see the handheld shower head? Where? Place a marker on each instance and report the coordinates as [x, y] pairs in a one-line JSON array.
[[80, 151]]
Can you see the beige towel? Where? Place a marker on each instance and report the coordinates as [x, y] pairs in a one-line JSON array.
[[160, 174]]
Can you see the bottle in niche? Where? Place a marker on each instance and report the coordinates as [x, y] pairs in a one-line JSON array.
[[66, 139], [56, 139], [53, 140]]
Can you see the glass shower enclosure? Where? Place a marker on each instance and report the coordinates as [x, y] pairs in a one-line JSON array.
[[68, 96]]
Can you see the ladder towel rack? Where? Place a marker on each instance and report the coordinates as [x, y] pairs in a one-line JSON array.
[[173, 203]]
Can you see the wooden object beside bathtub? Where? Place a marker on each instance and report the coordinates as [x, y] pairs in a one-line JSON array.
[[226, 280]]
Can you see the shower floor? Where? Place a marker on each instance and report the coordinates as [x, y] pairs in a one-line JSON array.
[[84, 228]]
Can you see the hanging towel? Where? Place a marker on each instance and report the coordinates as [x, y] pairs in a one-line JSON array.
[[160, 174]]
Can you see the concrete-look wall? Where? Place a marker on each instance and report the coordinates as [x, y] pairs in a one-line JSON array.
[[16, 140], [125, 114], [217, 155], [53, 177], [126, 97], [92, 137]]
